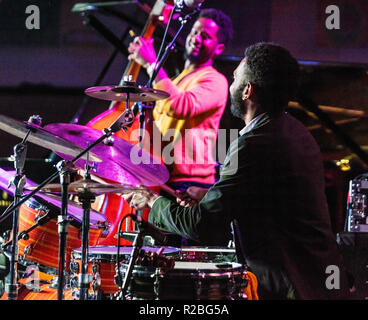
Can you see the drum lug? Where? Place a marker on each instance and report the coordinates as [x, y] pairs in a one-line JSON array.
[[6, 235], [74, 266], [42, 211], [104, 226], [73, 282], [95, 268], [96, 278], [28, 250], [96, 283], [55, 282], [158, 275]]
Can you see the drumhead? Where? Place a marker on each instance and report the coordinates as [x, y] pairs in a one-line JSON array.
[[108, 253]]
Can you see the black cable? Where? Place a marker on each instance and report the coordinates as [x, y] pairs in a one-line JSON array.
[[165, 34], [158, 57]]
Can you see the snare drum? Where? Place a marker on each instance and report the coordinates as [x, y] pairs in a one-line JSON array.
[[101, 264], [189, 281], [43, 244]]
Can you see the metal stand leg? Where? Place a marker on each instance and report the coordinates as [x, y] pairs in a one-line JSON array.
[[19, 183], [86, 198], [137, 245], [63, 223]]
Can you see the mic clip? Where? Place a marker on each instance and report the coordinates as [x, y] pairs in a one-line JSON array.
[[183, 9]]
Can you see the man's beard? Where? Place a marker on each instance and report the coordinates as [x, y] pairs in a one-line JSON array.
[[196, 59], [237, 107]]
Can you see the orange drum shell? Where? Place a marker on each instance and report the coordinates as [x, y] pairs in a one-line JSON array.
[[46, 293], [44, 240]]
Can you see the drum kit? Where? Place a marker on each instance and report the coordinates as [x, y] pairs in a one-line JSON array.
[[59, 236]]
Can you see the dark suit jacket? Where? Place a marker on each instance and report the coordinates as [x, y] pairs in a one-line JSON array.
[[273, 184]]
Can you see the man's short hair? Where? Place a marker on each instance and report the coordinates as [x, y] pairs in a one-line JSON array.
[[225, 32], [274, 73]]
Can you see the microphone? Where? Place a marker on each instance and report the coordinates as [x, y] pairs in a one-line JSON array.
[[187, 5], [150, 230]]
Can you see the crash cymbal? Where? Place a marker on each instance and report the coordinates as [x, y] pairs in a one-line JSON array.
[[120, 158], [130, 90], [42, 137], [92, 186]]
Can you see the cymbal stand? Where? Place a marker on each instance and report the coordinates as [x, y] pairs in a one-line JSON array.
[[19, 182], [86, 198], [64, 168]]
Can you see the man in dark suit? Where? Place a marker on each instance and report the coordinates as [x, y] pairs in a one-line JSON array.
[[272, 185]]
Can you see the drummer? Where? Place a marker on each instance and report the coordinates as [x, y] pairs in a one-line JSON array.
[[198, 96], [274, 196]]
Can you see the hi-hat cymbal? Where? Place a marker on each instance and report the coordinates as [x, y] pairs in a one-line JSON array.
[[92, 186], [75, 210], [42, 137], [129, 91], [122, 161]]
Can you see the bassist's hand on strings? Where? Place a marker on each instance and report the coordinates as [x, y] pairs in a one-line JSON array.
[[142, 52]]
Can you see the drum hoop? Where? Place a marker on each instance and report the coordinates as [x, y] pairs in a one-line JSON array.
[[36, 205], [110, 256], [196, 273], [208, 249], [43, 205]]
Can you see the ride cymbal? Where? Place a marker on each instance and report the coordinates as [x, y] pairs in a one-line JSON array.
[[130, 91], [92, 186]]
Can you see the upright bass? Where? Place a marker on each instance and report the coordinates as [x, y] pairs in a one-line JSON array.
[[112, 205]]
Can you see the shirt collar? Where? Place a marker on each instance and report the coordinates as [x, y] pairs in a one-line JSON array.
[[251, 124]]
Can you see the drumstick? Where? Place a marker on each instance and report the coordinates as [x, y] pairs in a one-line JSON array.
[[159, 252], [171, 191]]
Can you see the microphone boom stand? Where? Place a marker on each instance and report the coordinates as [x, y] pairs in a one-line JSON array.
[[137, 246]]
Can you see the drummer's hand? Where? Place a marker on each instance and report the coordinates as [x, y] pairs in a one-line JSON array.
[[192, 196], [142, 51], [142, 199]]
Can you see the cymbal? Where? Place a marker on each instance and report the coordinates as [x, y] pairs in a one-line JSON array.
[[42, 137], [92, 186], [75, 210], [131, 90], [119, 163]]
